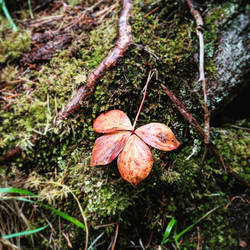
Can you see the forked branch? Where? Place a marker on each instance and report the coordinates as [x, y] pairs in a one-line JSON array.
[[182, 109]]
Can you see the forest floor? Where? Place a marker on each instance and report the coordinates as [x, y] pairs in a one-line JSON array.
[[186, 202]]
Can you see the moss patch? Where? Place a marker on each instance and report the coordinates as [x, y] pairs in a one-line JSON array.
[[13, 44]]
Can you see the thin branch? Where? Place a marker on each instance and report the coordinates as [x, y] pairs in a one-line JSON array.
[[116, 235], [182, 109], [199, 30], [116, 231], [110, 60], [198, 239]]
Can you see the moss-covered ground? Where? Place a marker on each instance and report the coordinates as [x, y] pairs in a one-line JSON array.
[[179, 185]]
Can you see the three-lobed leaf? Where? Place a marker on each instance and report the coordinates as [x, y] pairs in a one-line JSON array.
[[135, 159]]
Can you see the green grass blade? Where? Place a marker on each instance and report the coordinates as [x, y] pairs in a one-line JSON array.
[[64, 216], [16, 190], [16, 198], [30, 9], [168, 231], [7, 14], [26, 192], [196, 222], [28, 232], [175, 238]]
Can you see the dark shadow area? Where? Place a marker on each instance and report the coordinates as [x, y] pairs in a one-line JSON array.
[[238, 109]]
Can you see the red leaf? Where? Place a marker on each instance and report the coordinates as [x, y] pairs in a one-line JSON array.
[[135, 161], [111, 121], [107, 147], [158, 135]]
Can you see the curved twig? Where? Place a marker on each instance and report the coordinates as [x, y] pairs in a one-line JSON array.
[[199, 30], [116, 235], [110, 60]]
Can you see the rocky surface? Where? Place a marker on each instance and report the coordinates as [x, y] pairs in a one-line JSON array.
[[231, 60]]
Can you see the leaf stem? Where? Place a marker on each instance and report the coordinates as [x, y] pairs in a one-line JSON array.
[[144, 96]]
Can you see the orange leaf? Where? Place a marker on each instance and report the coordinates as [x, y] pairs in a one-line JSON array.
[[107, 147], [158, 135], [111, 121], [135, 161]]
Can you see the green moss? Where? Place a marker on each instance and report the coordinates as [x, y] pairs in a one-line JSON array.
[[177, 186], [13, 45], [234, 145], [74, 2], [9, 75]]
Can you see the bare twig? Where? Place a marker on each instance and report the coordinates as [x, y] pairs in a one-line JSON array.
[[79, 18], [116, 231], [150, 239], [199, 30], [201, 132], [110, 60], [116, 235], [198, 239], [67, 239]]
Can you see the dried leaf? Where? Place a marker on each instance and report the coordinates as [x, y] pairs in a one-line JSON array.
[[158, 135], [111, 121], [107, 147], [135, 161]]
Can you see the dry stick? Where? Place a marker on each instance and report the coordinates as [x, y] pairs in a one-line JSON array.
[[116, 235], [199, 30], [199, 129], [198, 239], [110, 60], [116, 231]]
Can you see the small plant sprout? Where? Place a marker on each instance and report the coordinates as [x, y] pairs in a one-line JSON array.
[[121, 139]]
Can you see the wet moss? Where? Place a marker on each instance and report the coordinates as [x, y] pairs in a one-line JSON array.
[[13, 44], [235, 151]]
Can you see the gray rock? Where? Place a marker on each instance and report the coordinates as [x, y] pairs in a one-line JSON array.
[[231, 61]]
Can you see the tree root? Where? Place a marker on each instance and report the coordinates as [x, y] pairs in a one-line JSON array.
[[182, 109]]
